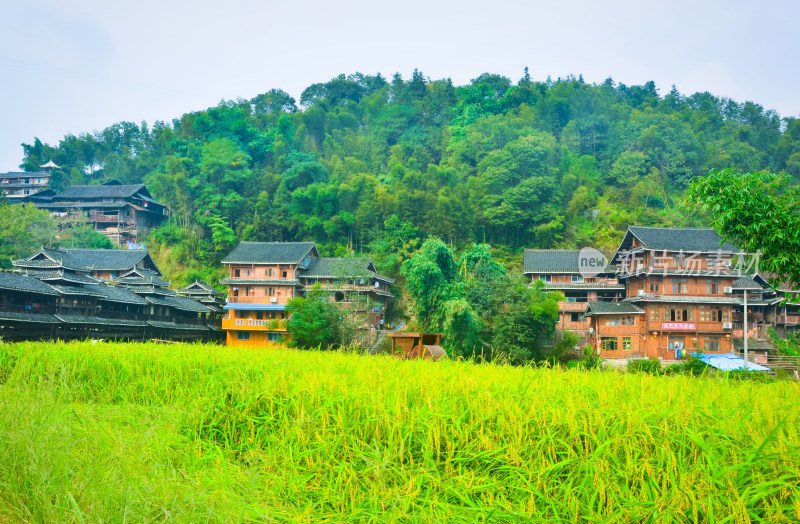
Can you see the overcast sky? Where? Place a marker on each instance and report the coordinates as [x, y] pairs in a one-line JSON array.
[[79, 66]]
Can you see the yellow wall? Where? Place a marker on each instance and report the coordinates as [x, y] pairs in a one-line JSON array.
[[258, 339]]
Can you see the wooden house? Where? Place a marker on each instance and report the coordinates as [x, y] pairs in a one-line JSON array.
[[353, 283], [17, 186], [559, 270], [122, 212], [262, 278], [105, 294], [682, 294]]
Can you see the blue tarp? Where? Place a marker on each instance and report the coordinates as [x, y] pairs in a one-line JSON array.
[[728, 362]]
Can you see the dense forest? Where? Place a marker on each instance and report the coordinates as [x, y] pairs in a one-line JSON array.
[[375, 165]]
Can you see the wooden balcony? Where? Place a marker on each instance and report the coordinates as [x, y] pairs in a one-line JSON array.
[[259, 300], [573, 307], [251, 324], [787, 319]]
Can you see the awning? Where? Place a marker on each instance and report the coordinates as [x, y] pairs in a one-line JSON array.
[[728, 362], [256, 307]]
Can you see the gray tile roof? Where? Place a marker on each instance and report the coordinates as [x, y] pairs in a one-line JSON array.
[[551, 261], [93, 259], [554, 261], [747, 283], [28, 317], [183, 303], [198, 287], [25, 283], [613, 308], [752, 343], [269, 253], [118, 294], [330, 267], [695, 299], [102, 191], [61, 275], [80, 319], [676, 239], [172, 325]]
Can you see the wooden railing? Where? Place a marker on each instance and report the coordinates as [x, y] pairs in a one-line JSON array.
[[572, 307]]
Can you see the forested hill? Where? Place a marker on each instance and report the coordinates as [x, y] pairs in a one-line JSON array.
[[369, 164]]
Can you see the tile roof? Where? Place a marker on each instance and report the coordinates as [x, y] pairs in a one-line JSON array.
[[118, 294], [551, 261], [198, 287], [269, 253], [101, 191], [182, 303], [172, 325], [80, 319], [92, 259], [337, 267], [28, 317], [61, 275], [752, 343], [747, 283], [26, 283], [695, 299], [613, 308], [676, 239]]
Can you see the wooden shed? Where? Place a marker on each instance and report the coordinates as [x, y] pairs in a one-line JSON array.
[[417, 345]]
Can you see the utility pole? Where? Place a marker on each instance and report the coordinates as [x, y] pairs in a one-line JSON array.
[[745, 329]]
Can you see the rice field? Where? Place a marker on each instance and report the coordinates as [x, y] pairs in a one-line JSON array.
[[191, 433]]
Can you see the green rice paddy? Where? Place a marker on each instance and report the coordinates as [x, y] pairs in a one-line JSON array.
[[190, 433]]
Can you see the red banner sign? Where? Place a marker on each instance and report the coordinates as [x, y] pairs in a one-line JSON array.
[[687, 326]]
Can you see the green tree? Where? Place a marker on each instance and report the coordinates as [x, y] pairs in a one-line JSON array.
[[757, 212], [313, 320], [23, 230]]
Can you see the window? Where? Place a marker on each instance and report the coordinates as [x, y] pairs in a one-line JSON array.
[[273, 337], [678, 315], [269, 272], [571, 299], [270, 291], [655, 287], [574, 317], [711, 344], [612, 321], [259, 315], [577, 278], [546, 278], [242, 335], [629, 321], [626, 343], [654, 314], [285, 274], [608, 343], [713, 287], [680, 285], [677, 260], [718, 315], [236, 273]]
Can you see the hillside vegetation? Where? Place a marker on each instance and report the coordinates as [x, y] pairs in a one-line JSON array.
[[371, 164], [188, 433]]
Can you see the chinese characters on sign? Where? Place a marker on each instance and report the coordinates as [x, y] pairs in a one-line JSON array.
[[689, 326]]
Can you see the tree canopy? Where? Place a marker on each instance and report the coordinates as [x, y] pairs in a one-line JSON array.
[[371, 164]]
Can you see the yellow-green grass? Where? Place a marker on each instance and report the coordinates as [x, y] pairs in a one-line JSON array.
[[190, 433]]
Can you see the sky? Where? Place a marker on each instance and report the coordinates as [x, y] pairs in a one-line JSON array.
[[73, 67]]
